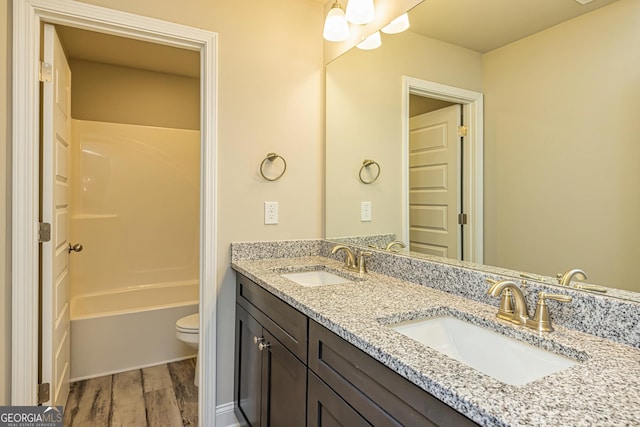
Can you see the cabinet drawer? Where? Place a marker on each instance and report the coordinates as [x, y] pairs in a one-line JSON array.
[[285, 323], [390, 400]]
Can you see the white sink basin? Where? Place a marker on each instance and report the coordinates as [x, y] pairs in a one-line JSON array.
[[316, 278], [503, 358]]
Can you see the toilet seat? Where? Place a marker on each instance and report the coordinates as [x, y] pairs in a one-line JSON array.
[[189, 324]]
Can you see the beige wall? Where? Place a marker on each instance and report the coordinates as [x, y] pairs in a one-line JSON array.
[[5, 244], [561, 148], [116, 94], [270, 77], [363, 103]]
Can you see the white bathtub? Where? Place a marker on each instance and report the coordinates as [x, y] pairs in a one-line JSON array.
[[129, 328]]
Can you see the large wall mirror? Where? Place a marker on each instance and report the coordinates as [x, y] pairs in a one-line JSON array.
[[560, 135]]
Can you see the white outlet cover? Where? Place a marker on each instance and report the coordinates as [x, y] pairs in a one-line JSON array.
[[365, 211], [270, 213]]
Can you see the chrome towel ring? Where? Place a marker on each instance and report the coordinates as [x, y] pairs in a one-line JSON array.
[[271, 157], [365, 165]]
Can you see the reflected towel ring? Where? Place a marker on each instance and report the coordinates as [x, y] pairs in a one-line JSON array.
[[365, 164], [271, 157]]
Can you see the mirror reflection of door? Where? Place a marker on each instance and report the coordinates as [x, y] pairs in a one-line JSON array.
[[435, 178]]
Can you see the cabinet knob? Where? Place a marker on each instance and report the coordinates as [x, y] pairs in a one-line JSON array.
[[262, 346], [256, 340]]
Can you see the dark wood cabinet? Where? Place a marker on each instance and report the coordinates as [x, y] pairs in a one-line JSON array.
[[270, 381], [248, 371], [341, 386], [326, 409], [285, 386], [374, 391]]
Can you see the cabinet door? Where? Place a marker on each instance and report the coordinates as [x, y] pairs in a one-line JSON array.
[[248, 369], [327, 409], [284, 380], [371, 388]]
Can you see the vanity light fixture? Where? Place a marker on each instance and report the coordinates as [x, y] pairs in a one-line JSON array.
[[374, 41], [398, 25], [336, 27], [360, 11]]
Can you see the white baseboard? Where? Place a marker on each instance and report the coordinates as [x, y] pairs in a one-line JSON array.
[[225, 416]]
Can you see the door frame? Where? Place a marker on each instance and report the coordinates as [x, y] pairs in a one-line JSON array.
[[27, 17], [472, 185]]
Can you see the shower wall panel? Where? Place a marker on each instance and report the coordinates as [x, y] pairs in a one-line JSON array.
[[135, 205]]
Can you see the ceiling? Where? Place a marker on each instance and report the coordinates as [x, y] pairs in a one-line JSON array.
[[485, 25], [479, 25], [99, 47]]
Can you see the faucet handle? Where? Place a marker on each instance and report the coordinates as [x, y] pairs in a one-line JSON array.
[[555, 297], [541, 319], [505, 310], [362, 265]]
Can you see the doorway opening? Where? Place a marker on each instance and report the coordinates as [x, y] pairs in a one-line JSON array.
[[467, 196], [28, 17]]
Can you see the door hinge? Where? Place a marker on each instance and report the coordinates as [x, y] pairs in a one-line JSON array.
[[44, 232], [44, 393], [462, 131], [46, 72], [462, 218]]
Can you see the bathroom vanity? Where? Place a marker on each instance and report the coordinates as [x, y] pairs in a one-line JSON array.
[[276, 379], [328, 355]]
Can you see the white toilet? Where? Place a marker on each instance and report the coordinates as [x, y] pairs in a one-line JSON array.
[[188, 331]]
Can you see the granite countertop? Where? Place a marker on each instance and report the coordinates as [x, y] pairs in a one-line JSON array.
[[603, 389]]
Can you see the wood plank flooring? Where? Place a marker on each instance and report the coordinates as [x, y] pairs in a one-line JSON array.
[[162, 395]]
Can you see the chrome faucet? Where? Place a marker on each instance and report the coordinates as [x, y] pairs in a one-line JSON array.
[[392, 246], [349, 258], [565, 279]]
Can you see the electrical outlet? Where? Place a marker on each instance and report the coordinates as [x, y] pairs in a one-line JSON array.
[[365, 211], [270, 212]]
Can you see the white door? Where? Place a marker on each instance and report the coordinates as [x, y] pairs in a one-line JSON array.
[[56, 131], [434, 185]]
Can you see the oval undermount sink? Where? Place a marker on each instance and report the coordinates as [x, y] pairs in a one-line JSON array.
[[505, 359], [316, 278]]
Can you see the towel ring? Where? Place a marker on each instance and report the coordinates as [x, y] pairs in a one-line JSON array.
[[365, 164], [271, 157]]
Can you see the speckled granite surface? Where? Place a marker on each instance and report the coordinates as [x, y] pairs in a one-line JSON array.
[[378, 241], [489, 269], [603, 389], [593, 313]]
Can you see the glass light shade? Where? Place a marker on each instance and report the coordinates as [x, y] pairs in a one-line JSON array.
[[336, 27], [360, 11], [398, 25], [374, 41]]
